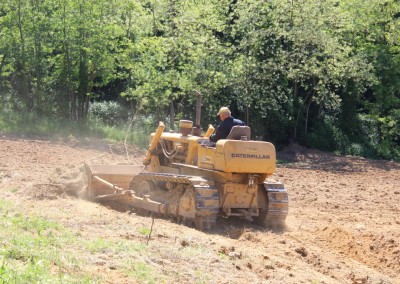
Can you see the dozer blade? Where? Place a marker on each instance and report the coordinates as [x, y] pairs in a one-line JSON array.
[[111, 183], [109, 179]]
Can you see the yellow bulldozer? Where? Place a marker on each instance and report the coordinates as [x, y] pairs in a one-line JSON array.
[[185, 178]]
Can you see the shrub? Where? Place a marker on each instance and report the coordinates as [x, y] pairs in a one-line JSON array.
[[109, 113], [325, 135]]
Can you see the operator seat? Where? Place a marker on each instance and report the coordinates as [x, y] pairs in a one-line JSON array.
[[237, 132]]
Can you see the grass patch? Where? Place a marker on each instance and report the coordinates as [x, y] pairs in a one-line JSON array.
[[31, 249], [143, 273], [32, 125], [13, 189], [117, 134], [36, 250], [101, 245], [144, 231]]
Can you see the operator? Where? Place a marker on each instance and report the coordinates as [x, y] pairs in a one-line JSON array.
[[227, 122]]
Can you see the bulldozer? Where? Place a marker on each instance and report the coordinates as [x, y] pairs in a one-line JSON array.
[[186, 178]]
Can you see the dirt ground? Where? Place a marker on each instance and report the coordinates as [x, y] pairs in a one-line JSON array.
[[343, 224]]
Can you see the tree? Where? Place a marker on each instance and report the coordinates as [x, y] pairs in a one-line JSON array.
[[373, 31]]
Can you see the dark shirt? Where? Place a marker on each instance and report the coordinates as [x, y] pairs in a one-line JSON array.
[[224, 128]]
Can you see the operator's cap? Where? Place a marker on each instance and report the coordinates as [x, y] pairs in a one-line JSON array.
[[224, 110]]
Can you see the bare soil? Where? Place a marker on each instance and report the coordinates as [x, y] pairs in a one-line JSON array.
[[343, 225]]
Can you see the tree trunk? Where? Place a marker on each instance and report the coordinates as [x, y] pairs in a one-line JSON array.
[[67, 73], [83, 86], [307, 112], [38, 55], [22, 80], [308, 108], [247, 117], [172, 115], [298, 114], [3, 60]]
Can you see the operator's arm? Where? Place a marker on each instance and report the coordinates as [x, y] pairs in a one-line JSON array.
[[215, 137], [221, 132]]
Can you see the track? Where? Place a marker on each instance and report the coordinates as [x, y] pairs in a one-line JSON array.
[[278, 206], [190, 198]]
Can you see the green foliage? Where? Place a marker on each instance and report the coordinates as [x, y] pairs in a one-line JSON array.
[[383, 134], [285, 67], [364, 141], [30, 248], [142, 272], [109, 113], [325, 136], [144, 231], [34, 125], [115, 247], [33, 250]]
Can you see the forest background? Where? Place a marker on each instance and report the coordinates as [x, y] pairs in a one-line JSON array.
[[324, 74]]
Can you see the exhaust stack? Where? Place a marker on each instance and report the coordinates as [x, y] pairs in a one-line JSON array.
[[196, 130]]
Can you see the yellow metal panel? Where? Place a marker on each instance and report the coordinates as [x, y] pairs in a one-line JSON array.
[[245, 156], [237, 196], [206, 157]]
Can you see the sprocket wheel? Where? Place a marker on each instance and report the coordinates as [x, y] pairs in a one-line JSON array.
[[187, 204], [143, 187]]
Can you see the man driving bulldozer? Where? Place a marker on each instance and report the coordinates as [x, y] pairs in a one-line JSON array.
[[227, 122]]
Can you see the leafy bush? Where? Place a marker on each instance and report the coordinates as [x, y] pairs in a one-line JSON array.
[[275, 128], [110, 113], [325, 135], [382, 134]]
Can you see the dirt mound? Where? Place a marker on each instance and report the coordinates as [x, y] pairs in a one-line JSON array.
[[60, 184], [297, 156], [372, 248]]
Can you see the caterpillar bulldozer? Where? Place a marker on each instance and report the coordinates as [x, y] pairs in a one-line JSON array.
[[186, 178]]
